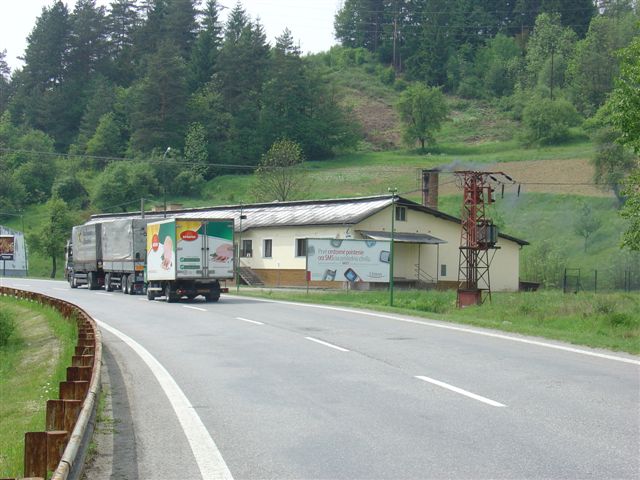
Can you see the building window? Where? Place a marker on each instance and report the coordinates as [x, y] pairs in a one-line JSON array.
[[443, 270], [401, 214], [267, 248], [247, 248], [301, 247]]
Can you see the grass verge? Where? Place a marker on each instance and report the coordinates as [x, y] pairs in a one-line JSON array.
[[610, 321], [32, 364]]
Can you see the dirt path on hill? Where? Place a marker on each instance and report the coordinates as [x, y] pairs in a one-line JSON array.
[[573, 177]]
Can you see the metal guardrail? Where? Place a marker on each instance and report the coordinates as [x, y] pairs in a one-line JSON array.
[[61, 448]]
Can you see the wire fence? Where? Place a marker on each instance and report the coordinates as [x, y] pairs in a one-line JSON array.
[[603, 280]]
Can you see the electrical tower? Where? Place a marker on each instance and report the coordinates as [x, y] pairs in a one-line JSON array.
[[478, 236]]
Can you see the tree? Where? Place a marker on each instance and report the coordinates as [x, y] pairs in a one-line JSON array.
[[107, 140], [279, 176], [52, 235], [204, 55], [422, 111], [549, 48], [586, 224], [123, 183], [594, 66], [631, 211], [159, 114], [5, 81], [624, 107], [195, 149], [548, 121]]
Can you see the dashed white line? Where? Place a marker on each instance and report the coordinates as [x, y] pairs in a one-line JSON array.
[[104, 294], [472, 331], [466, 393], [61, 289], [21, 285], [205, 451], [194, 308], [249, 321], [326, 344]]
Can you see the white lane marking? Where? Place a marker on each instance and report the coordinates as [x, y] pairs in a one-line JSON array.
[[61, 289], [249, 321], [21, 285], [326, 344], [205, 451], [194, 308], [104, 294], [461, 329], [466, 393], [143, 299]]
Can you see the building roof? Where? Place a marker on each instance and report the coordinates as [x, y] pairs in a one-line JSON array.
[[341, 211], [402, 237]]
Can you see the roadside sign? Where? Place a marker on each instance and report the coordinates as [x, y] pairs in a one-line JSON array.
[[7, 247], [338, 260]]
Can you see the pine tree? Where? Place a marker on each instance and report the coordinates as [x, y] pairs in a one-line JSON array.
[[159, 115], [205, 51], [123, 22]]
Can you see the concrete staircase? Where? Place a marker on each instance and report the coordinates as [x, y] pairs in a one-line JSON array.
[[250, 277]]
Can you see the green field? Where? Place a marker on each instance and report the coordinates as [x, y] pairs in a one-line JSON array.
[[31, 366]]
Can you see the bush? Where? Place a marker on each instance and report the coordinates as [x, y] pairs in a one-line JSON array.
[[548, 121], [186, 183], [7, 327]]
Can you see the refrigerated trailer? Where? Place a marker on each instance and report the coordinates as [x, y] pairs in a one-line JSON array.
[[189, 257]]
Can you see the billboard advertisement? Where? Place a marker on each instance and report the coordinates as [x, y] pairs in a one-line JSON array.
[[337, 260], [161, 239], [7, 247]]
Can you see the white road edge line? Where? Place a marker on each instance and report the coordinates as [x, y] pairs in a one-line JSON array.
[[195, 308], [61, 289], [466, 393], [249, 321], [103, 293], [460, 329], [208, 457], [326, 344]]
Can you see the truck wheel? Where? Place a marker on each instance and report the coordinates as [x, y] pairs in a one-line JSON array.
[[131, 282], [107, 283], [72, 281], [210, 297], [92, 280], [169, 294], [150, 295], [124, 286]]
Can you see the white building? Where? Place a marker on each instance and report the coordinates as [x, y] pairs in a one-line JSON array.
[[272, 239]]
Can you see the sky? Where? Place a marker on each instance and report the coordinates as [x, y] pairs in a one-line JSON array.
[[310, 21]]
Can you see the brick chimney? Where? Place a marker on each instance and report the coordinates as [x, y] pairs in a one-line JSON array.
[[430, 188]]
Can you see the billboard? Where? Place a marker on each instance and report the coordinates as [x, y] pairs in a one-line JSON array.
[[7, 247], [337, 260]]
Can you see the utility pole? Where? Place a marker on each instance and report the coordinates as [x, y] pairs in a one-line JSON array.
[[478, 236], [164, 179], [393, 192]]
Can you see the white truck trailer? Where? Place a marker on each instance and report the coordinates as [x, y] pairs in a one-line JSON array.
[[124, 241], [187, 257], [84, 256]]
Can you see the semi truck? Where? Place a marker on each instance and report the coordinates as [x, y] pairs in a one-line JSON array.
[[109, 253], [83, 255], [187, 257]]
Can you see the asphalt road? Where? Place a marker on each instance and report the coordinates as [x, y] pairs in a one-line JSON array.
[[253, 389]]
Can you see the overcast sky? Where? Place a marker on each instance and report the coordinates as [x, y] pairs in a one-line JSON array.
[[310, 21]]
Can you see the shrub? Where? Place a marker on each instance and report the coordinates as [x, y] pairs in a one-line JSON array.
[[548, 121], [7, 327]]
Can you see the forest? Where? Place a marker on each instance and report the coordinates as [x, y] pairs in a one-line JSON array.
[[109, 99]]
